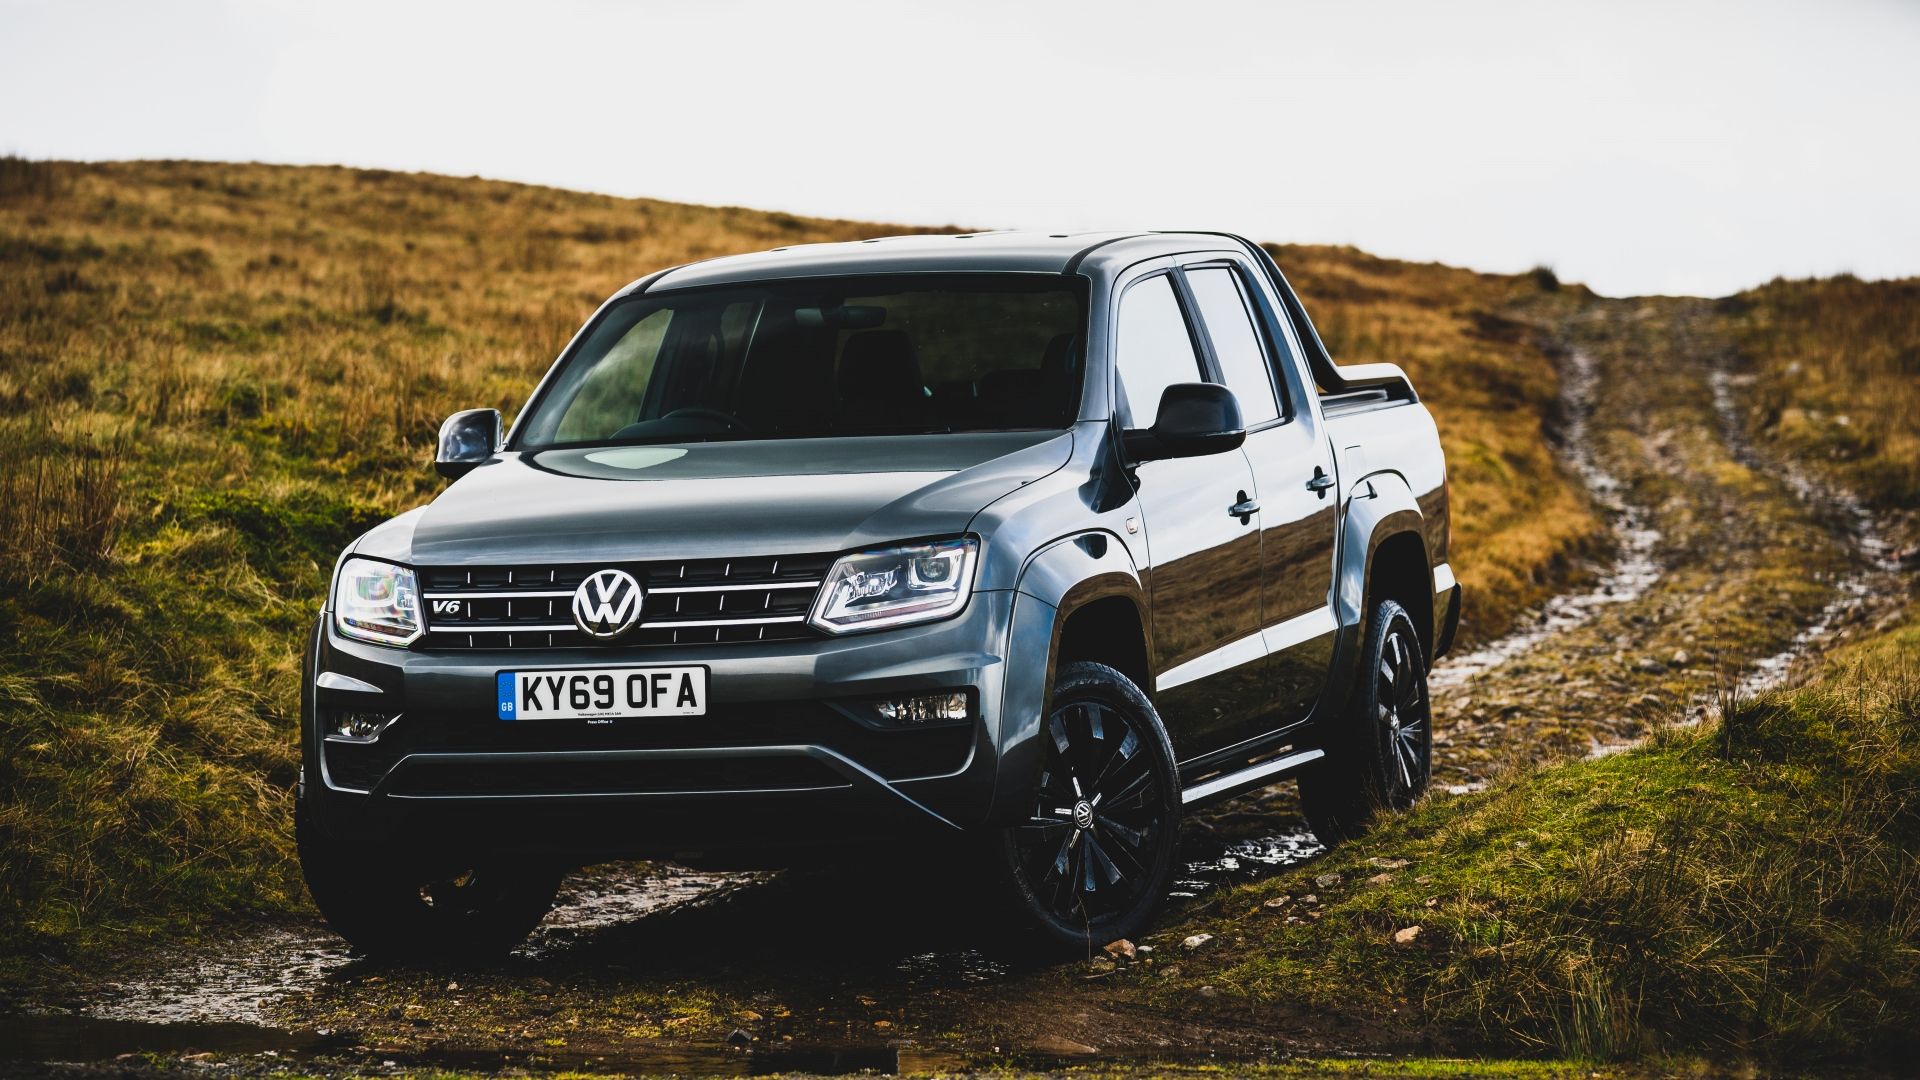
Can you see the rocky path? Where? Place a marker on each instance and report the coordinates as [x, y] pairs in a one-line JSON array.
[[1725, 568]]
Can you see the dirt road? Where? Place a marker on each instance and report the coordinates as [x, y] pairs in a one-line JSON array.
[[1726, 566]]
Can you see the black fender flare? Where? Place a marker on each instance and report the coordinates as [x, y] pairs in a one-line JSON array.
[[1060, 578], [1379, 507]]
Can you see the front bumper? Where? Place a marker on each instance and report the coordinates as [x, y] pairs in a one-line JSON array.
[[782, 758]]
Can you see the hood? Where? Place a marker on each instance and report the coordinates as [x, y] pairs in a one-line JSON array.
[[706, 500]]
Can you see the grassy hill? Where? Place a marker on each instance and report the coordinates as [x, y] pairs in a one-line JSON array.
[[213, 376]]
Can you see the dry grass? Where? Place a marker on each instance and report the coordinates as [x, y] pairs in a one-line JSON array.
[[1837, 362]]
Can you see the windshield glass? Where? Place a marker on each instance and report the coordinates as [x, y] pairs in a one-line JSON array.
[[902, 354]]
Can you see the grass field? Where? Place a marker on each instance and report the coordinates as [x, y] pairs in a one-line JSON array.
[[215, 375]]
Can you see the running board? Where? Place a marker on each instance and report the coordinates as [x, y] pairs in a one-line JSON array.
[[1252, 776]]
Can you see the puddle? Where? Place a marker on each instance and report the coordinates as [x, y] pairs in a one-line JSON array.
[[600, 897], [66, 1037], [1631, 573], [962, 967], [83, 1039], [234, 983], [1242, 861], [707, 1060], [239, 980]]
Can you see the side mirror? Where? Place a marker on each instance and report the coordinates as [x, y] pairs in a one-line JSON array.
[[467, 439], [1196, 419]]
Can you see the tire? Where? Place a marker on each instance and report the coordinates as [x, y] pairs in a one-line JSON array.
[[1095, 859], [396, 909], [1381, 758]]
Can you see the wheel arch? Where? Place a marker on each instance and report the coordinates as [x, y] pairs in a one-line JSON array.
[[1079, 598], [1384, 554]]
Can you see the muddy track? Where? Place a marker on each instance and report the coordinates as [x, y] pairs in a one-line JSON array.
[[1725, 565]]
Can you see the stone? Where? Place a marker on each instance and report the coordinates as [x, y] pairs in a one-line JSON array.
[[1406, 936], [1196, 940]]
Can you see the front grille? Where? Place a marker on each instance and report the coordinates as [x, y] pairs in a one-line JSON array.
[[701, 602]]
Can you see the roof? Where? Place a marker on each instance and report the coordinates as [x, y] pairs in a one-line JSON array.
[[1019, 252]]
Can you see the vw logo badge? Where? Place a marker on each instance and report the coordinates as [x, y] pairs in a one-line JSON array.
[[607, 604]]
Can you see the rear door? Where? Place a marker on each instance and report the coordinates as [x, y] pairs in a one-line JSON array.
[[1204, 568], [1292, 466]]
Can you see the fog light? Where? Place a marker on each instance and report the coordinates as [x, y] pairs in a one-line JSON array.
[[359, 726], [925, 709]]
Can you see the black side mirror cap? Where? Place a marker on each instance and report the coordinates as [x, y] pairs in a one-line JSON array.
[[1195, 419], [467, 439]]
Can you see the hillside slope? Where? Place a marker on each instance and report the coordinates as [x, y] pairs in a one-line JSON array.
[[215, 375]]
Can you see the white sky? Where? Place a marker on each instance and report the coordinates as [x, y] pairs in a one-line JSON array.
[[1639, 147]]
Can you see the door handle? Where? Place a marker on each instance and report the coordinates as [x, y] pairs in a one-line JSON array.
[[1244, 509], [1320, 482]]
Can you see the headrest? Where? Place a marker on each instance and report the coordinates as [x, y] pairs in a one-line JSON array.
[[1058, 358], [879, 365]]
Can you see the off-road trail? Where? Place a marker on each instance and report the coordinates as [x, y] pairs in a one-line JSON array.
[[1724, 567]]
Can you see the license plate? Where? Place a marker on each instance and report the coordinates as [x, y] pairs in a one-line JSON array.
[[602, 693]]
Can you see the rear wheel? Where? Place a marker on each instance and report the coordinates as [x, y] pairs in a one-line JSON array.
[[1381, 758], [398, 909], [1095, 856]]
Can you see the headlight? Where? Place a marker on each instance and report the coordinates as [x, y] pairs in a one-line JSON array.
[[898, 585], [378, 602]]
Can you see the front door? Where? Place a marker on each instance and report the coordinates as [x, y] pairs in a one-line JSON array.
[[1203, 573]]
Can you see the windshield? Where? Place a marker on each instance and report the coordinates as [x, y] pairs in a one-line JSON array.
[[902, 354]]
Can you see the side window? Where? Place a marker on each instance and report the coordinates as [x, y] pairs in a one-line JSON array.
[[1236, 344], [1154, 350]]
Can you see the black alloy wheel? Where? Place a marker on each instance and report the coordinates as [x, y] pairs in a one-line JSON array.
[[1380, 756], [1093, 861], [1405, 715]]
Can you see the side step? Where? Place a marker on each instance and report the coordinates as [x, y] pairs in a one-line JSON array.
[[1253, 776]]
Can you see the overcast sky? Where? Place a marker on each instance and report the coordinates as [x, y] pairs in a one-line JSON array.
[[1660, 147]]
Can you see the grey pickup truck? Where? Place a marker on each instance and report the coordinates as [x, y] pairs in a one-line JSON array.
[[1013, 546]]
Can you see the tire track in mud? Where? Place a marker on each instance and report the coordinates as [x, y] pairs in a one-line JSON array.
[[1632, 570], [1876, 570]]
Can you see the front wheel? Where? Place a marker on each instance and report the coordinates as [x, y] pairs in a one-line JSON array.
[[1093, 861], [396, 909], [1381, 758]]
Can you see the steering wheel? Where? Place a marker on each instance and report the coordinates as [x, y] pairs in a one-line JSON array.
[[726, 420]]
